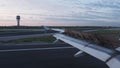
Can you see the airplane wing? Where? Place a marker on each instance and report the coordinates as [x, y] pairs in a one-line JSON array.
[[109, 56]]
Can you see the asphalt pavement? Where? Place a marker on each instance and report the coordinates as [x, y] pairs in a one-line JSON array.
[[6, 34], [58, 56]]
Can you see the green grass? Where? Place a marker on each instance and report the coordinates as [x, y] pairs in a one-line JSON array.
[[115, 33], [42, 39]]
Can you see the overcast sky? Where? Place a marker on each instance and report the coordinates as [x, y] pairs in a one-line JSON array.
[[61, 12]]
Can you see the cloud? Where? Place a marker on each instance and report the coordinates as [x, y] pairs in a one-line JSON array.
[[101, 12], [106, 4]]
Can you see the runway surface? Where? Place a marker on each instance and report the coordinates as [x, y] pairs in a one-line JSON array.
[[46, 56], [6, 34]]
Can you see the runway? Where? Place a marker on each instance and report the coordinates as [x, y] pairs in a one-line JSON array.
[[46, 56], [6, 34]]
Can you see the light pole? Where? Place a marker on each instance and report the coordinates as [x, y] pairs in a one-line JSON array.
[[18, 20]]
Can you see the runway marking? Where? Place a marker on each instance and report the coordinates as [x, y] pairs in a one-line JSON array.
[[35, 49]]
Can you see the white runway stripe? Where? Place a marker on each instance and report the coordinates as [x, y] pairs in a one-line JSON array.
[[34, 49]]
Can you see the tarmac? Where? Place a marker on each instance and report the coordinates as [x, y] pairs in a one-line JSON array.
[[46, 56], [7, 34]]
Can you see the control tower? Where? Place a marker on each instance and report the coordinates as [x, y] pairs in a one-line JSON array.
[[18, 20]]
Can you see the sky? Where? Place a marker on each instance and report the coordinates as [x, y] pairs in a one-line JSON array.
[[60, 12]]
